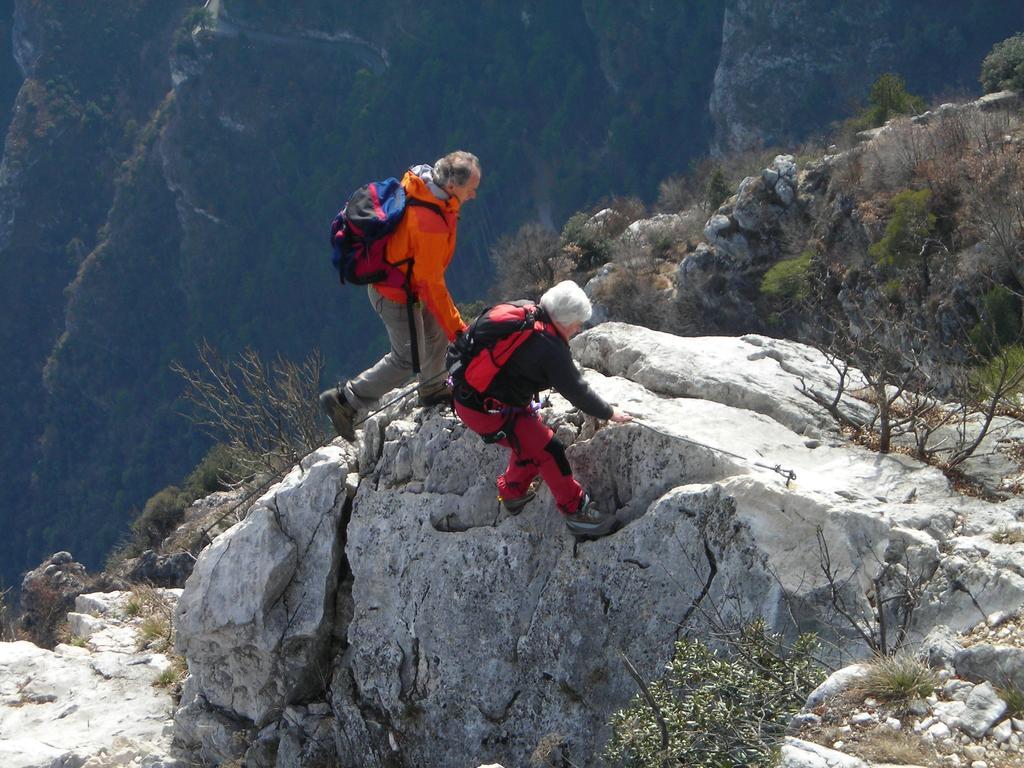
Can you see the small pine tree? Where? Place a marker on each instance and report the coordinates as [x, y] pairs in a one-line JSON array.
[[888, 98], [1003, 68], [717, 190]]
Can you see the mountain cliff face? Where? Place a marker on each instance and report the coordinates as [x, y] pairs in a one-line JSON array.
[[788, 69]]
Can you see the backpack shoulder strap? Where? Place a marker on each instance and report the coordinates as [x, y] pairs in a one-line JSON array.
[[415, 202]]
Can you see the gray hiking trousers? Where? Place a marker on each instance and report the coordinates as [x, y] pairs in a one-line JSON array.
[[395, 368]]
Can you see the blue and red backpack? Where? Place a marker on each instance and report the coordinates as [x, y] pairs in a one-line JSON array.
[[359, 234]]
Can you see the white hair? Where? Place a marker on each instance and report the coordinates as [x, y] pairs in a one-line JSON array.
[[566, 303]]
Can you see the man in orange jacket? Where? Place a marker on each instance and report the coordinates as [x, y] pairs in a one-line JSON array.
[[428, 238]]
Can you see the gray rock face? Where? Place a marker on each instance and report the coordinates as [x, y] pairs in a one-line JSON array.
[[452, 611], [48, 592], [991, 662], [162, 570], [743, 240], [983, 709], [255, 618]]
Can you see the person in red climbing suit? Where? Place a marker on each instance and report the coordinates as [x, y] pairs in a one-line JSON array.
[[512, 352]]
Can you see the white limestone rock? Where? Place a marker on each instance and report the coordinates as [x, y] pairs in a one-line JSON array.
[[983, 709], [835, 684], [86, 706], [455, 610], [797, 753], [255, 617]]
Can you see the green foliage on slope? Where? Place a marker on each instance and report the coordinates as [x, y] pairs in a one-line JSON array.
[[718, 710], [1003, 68]]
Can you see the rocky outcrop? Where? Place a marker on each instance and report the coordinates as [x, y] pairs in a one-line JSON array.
[[743, 238], [48, 592], [964, 718], [256, 618], [93, 703], [448, 610]]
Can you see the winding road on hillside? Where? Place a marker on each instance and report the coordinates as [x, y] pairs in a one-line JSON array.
[[373, 57]]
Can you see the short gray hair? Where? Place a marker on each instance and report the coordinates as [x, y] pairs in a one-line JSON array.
[[455, 168], [566, 303]]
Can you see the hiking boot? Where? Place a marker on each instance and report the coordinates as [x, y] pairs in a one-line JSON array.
[[515, 506], [442, 396], [588, 522], [341, 414]]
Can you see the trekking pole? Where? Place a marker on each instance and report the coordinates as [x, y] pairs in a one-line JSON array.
[[788, 474], [279, 475]]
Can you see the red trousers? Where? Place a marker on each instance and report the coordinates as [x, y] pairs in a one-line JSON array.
[[534, 450]]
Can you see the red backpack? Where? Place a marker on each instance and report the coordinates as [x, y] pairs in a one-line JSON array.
[[476, 356]]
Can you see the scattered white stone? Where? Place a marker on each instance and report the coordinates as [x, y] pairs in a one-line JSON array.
[[983, 709], [918, 707], [937, 732], [974, 752], [835, 684], [83, 625], [892, 724], [1002, 732], [73, 707], [949, 712], [862, 718]]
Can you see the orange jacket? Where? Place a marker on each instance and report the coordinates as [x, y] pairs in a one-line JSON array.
[[430, 241]]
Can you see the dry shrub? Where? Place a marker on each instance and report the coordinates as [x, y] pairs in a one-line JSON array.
[[892, 160], [882, 745], [268, 414], [995, 208], [8, 618], [639, 290], [677, 193], [525, 261]]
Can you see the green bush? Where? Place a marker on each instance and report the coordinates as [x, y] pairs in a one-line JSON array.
[[159, 517], [1014, 698], [719, 711], [887, 99], [910, 224], [788, 279], [1003, 68], [588, 244], [1000, 323], [165, 510], [717, 190], [218, 471], [993, 374]]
